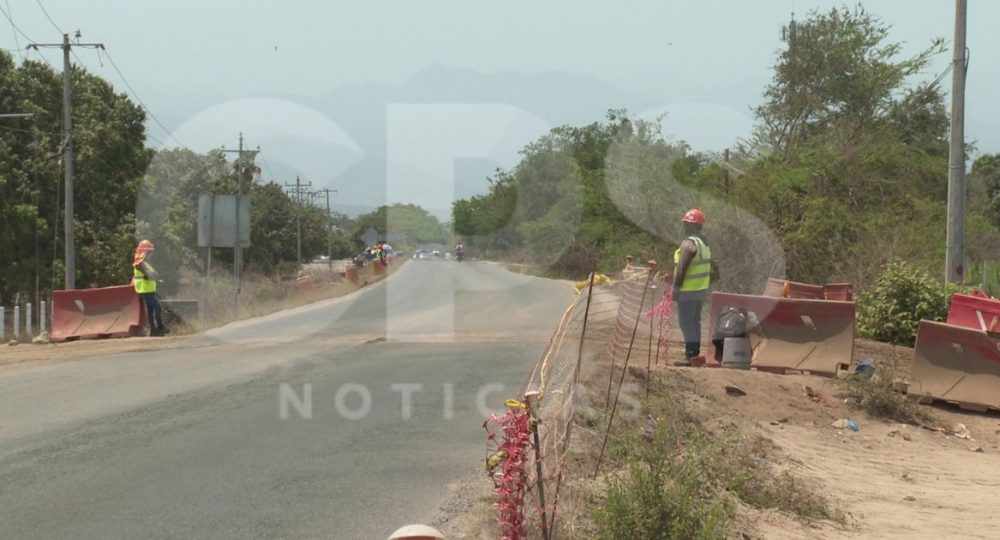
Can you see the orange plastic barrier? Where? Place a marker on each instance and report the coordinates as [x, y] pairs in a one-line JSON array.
[[974, 312], [793, 333], [956, 364], [96, 313], [776, 289], [351, 273], [843, 292]]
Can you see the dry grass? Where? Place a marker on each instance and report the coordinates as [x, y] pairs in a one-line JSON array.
[[879, 398], [261, 295], [681, 479]]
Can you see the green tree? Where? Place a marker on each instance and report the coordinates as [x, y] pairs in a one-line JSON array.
[[408, 225], [847, 147], [986, 172], [110, 158], [838, 74]]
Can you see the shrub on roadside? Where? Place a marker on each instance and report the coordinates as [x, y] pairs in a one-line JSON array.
[[900, 299], [688, 482], [878, 397], [666, 494]]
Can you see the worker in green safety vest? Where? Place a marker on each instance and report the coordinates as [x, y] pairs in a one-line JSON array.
[[691, 280], [144, 279]]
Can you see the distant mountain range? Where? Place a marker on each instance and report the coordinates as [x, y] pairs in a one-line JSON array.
[[549, 99]]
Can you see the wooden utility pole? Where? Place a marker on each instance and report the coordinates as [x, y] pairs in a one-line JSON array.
[[70, 242], [955, 247], [329, 228], [238, 247], [298, 191]]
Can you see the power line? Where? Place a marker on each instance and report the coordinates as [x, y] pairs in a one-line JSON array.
[[41, 57], [141, 103], [14, 26], [53, 23], [267, 167]]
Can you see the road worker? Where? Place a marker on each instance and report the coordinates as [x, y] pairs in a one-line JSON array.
[[144, 279], [691, 280]]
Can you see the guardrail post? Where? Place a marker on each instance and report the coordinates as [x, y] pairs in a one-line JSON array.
[[29, 323]]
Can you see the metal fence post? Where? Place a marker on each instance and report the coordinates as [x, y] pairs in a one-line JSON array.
[[17, 322], [29, 323]]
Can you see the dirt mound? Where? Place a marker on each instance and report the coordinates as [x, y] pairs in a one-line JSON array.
[[890, 480]]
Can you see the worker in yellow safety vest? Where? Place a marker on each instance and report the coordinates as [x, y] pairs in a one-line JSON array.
[[691, 280], [144, 278]]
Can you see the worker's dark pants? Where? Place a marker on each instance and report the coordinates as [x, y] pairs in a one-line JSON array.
[[154, 311], [689, 318]]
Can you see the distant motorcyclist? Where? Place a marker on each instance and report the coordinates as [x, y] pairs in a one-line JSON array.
[[460, 252]]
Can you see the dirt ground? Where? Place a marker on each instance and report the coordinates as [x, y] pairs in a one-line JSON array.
[[890, 480]]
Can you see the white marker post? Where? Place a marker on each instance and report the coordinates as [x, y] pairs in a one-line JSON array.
[[3, 319], [17, 323], [29, 323], [42, 319]]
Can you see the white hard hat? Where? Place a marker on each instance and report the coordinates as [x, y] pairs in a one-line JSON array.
[[417, 532]]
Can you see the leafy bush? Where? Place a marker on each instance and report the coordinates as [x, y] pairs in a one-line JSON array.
[[688, 482], [901, 298], [666, 494]]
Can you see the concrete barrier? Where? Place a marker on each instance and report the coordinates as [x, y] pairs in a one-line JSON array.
[[974, 312], [815, 336], [957, 364], [96, 313]]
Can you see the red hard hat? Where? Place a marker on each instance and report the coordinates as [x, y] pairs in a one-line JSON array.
[[694, 216]]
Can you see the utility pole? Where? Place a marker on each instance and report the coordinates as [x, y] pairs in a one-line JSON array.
[[955, 247], [329, 228], [298, 191], [70, 242], [238, 247]]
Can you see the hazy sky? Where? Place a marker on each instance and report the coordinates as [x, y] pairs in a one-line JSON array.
[[340, 79]]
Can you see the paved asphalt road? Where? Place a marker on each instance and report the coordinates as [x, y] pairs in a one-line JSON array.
[[188, 442]]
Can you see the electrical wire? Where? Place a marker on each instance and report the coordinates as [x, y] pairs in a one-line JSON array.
[[141, 103], [14, 26], [42, 58], [267, 167], [45, 11], [17, 42]]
